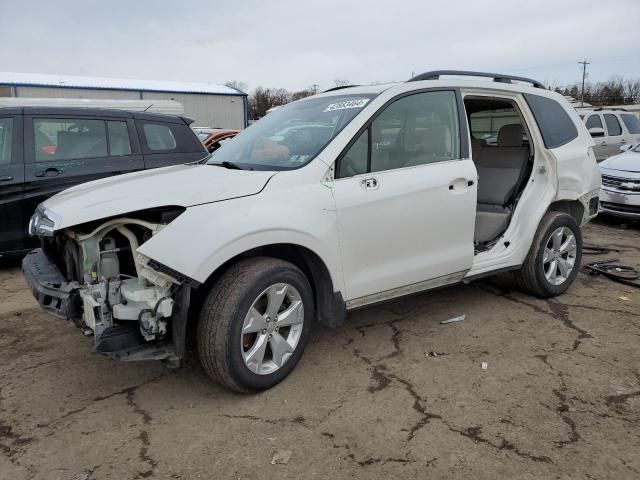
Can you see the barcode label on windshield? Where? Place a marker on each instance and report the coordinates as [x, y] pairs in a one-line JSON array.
[[347, 104]]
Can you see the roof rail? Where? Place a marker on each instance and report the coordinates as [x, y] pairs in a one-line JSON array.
[[497, 77], [599, 109], [340, 88]]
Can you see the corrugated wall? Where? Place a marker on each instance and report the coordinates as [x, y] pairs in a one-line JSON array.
[[53, 92], [224, 111]]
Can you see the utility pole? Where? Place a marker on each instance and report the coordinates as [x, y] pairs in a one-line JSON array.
[[584, 64]]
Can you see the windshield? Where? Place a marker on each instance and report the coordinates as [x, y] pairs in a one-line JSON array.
[[291, 136], [636, 148]]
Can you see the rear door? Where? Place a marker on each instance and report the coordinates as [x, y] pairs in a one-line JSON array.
[[632, 128], [601, 147], [167, 143], [405, 193], [62, 151], [614, 139], [12, 213]]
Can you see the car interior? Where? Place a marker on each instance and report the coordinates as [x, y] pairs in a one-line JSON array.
[[503, 157]]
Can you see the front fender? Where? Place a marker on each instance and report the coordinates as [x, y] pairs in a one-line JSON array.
[[204, 237]]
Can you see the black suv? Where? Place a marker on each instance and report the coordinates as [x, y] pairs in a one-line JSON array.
[[45, 150]]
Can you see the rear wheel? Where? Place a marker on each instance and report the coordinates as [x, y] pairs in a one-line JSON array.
[[554, 258], [255, 323]]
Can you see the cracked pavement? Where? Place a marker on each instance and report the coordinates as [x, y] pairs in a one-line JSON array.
[[560, 397]]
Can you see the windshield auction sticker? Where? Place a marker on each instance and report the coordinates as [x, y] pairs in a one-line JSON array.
[[347, 104]]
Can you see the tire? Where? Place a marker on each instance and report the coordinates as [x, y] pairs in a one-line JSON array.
[[536, 275], [229, 356]]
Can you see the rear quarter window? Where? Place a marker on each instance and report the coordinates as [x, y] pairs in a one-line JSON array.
[[631, 122], [168, 137], [555, 124]]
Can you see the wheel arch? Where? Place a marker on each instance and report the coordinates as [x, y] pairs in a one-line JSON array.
[[329, 305], [574, 208]]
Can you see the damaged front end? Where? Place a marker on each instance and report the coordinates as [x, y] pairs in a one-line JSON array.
[[93, 275]]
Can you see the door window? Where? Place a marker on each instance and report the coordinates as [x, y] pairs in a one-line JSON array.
[[119, 143], [6, 135], [415, 130], [69, 139], [159, 137], [594, 122], [613, 125], [632, 122]]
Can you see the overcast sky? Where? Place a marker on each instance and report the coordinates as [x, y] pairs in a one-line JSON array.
[[297, 43]]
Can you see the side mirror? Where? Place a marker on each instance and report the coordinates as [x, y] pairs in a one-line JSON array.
[[626, 148], [596, 132]]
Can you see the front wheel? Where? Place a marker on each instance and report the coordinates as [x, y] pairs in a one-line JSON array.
[[255, 323], [554, 258]]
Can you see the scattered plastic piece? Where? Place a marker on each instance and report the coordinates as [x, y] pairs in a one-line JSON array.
[[624, 298], [435, 354], [281, 457], [485, 365], [454, 319], [81, 476]]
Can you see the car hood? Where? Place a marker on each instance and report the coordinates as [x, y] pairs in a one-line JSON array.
[[180, 185], [625, 162]]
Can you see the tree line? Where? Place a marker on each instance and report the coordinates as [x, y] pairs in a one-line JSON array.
[[615, 91]]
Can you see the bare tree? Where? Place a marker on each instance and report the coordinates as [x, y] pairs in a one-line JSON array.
[[238, 85], [340, 82], [615, 91]]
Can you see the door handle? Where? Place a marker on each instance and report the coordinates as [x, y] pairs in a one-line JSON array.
[[603, 143], [49, 172], [6, 178], [460, 184], [370, 183], [623, 141]]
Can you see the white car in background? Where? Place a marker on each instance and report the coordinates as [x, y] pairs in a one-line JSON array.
[[611, 129], [620, 193], [379, 192]]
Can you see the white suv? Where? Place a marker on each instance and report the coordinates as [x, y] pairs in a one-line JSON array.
[[622, 129], [341, 200]]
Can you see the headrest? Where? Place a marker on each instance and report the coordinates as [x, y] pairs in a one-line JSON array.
[[510, 136]]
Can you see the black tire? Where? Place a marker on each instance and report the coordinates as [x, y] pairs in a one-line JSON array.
[[531, 277], [225, 307]]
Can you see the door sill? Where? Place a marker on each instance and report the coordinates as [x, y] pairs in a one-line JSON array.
[[406, 290]]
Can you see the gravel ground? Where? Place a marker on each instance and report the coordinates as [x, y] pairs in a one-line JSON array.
[[560, 397]]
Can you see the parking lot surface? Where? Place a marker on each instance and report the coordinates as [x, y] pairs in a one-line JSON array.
[[391, 394]]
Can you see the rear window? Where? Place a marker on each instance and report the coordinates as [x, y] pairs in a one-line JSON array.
[[613, 125], [594, 122], [631, 121], [554, 123], [159, 137], [6, 134]]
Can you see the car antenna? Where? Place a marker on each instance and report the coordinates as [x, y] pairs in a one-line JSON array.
[[147, 108]]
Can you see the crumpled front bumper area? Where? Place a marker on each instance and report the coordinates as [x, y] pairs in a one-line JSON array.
[[121, 342], [49, 287]]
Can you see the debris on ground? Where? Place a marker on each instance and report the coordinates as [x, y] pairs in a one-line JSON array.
[[619, 273], [454, 319], [485, 365], [435, 354], [624, 298], [81, 476], [281, 457]]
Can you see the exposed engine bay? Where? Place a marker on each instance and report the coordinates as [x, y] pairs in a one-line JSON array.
[[110, 291]]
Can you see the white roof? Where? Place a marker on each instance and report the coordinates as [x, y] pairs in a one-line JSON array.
[[42, 80]]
